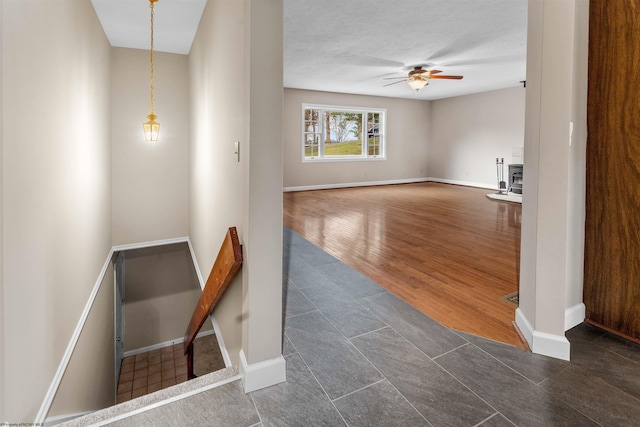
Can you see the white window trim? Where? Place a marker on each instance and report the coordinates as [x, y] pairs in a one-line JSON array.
[[333, 159]]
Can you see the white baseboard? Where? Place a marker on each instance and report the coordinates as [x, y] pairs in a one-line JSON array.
[[354, 184], [525, 327], [165, 344], [575, 315], [465, 183], [388, 182], [150, 244], [262, 374], [556, 346]]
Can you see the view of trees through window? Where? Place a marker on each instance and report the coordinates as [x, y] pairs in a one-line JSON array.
[[335, 132]]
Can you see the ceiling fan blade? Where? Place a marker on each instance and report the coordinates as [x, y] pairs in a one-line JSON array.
[[431, 72], [399, 81], [394, 78], [446, 77]]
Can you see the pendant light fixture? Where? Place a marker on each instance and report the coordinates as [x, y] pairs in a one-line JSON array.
[[151, 127]]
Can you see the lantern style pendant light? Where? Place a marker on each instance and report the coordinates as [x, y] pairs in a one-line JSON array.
[[151, 127]]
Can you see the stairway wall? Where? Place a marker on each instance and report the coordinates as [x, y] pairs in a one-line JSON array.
[[161, 292], [150, 181], [56, 201]]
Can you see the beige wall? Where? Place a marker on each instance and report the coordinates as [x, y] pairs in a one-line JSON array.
[[57, 186], [88, 383], [408, 128], [469, 132], [217, 120], [161, 291], [236, 92], [150, 181], [2, 362]]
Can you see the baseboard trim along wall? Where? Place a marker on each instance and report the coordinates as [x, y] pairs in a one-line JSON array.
[[465, 183], [262, 374], [354, 184], [165, 344], [575, 315], [387, 182], [62, 367], [541, 342]]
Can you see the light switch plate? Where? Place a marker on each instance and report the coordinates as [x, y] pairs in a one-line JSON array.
[[237, 152]]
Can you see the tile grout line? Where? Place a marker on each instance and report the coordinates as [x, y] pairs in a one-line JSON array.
[[257, 411], [468, 388], [318, 382], [504, 364], [360, 389], [388, 380], [493, 416], [391, 383], [370, 332]]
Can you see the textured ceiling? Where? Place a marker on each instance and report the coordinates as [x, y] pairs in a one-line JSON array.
[[350, 46]]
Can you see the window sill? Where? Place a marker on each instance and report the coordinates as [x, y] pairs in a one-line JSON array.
[[342, 159]]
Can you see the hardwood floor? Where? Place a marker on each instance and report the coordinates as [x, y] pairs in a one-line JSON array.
[[447, 250]]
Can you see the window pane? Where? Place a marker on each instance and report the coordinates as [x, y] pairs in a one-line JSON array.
[[373, 134], [345, 134], [312, 145]]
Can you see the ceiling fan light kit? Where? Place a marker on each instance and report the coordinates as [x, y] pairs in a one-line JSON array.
[[418, 77], [418, 83]]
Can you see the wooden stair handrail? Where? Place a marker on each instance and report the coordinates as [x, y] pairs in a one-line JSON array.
[[225, 268]]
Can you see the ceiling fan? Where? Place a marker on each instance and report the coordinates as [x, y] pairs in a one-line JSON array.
[[418, 77]]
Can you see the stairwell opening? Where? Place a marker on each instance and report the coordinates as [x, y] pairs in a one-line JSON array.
[[159, 289]]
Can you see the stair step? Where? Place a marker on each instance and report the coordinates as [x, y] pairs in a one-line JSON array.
[[158, 398]]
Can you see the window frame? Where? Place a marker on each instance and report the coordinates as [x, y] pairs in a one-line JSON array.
[[321, 157]]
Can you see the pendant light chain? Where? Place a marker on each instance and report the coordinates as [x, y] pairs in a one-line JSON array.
[[151, 127], [151, 3]]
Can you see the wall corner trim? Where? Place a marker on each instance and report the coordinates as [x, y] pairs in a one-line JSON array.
[[556, 346], [525, 327], [551, 345], [262, 374], [574, 315]]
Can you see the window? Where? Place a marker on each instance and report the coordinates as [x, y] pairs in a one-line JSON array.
[[341, 133]]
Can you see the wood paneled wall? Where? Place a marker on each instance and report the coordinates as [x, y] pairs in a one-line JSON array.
[[612, 241]]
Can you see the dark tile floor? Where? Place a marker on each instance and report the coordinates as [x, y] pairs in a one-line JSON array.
[[357, 355]]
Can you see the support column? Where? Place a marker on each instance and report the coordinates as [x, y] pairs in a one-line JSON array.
[[261, 361], [548, 233]]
